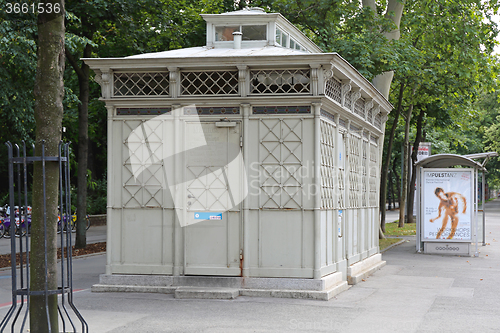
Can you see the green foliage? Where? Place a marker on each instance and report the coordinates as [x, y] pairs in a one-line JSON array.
[[17, 76], [344, 27]]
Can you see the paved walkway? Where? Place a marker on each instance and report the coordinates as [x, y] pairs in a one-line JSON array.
[[412, 293]]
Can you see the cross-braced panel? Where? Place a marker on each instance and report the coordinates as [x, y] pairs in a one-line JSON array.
[[141, 84], [280, 153], [207, 189], [373, 175], [359, 108], [328, 174], [287, 81], [142, 172], [209, 83], [354, 161], [333, 89]]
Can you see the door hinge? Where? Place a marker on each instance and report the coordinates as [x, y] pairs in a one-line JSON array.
[[241, 141]]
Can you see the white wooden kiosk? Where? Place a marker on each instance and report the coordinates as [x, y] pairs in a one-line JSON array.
[[448, 218], [252, 163]]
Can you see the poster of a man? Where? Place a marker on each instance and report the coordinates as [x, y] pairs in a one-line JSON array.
[[449, 207], [446, 198]]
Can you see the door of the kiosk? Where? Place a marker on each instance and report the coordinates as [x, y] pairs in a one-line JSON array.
[[213, 192]]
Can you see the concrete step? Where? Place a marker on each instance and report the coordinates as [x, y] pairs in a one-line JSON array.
[[360, 270], [206, 293], [324, 295]]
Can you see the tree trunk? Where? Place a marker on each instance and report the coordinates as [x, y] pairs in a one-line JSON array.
[[411, 192], [49, 93], [396, 179], [394, 12], [387, 160], [383, 81], [392, 204], [83, 148], [83, 74], [404, 172]]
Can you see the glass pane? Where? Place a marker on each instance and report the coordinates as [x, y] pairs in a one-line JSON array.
[[284, 39], [292, 43], [225, 33], [278, 36], [254, 32]]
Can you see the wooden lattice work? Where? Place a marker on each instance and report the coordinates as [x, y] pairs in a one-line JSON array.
[[286, 81], [141, 84], [328, 171], [333, 89], [209, 83]]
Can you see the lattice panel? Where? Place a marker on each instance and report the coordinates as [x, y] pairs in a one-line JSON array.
[[141, 84], [341, 204], [328, 174], [377, 122], [364, 169], [288, 81], [341, 186], [142, 172], [359, 108], [209, 83], [373, 196], [354, 167], [207, 189], [369, 116], [280, 153], [348, 100], [333, 89]]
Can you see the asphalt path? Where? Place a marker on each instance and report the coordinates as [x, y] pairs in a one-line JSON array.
[[95, 234], [412, 293]]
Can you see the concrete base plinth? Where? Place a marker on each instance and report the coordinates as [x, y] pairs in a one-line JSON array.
[[448, 248], [224, 287]]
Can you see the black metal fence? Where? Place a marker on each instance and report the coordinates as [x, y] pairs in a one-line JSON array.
[[19, 216]]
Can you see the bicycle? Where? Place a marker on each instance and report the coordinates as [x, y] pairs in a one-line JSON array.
[[22, 221], [72, 223]]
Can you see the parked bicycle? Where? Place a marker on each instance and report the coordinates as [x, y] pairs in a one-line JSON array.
[[72, 223], [22, 221]]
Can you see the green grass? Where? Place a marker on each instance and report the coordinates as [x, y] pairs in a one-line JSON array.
[[383, 243], [391, 229]]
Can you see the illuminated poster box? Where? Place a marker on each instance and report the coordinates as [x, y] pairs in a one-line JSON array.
[[447, 204]]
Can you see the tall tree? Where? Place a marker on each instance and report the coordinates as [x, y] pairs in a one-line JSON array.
[[49, 93]]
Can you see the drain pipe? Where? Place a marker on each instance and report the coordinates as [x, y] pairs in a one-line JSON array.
[[237, 36]]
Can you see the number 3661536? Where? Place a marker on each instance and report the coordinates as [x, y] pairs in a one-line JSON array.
[[24, 8]]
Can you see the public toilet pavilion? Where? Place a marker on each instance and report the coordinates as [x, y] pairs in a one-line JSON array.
[[250, 163]]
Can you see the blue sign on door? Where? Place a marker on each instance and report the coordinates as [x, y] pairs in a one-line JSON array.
[[207, 216]]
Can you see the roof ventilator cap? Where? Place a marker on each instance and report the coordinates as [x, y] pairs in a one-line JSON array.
[[237, 36]]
